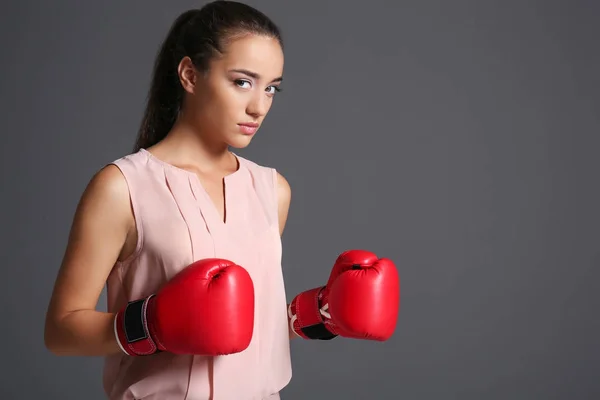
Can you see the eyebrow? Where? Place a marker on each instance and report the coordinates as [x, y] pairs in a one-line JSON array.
[[255, 75]]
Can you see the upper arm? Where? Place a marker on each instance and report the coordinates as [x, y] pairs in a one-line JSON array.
[[100, 226], [284, 196]]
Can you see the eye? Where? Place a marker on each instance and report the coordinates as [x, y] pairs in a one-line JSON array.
[[274, 89], [241, 82]]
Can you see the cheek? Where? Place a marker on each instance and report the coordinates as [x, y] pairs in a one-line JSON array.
[[208, 108], [226, 103], [233, 106]]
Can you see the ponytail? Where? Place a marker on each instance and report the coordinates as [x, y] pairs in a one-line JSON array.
[[166, 93]]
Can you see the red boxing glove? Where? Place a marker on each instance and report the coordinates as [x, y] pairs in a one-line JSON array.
[[361, 300], [206, 309]]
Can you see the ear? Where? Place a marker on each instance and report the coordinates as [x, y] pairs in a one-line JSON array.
[[187, 74]]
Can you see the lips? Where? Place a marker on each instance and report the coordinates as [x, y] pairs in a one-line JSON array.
[[248, 128]]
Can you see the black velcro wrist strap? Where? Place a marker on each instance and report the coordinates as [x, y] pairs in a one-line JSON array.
[[134, 321], [317, 332]]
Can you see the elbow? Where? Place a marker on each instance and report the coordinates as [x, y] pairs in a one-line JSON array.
[[58, 347], [52, 339], [50, 343]]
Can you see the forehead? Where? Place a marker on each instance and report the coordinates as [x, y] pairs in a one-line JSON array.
[[259, 54]]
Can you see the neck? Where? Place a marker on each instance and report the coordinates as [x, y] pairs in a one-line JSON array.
[[186, 146]]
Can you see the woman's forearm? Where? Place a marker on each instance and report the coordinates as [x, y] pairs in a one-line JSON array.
[[82, 333]]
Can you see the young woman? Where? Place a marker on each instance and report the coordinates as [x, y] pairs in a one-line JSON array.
[[186, 236]]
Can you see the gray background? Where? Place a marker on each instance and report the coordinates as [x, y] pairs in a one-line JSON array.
[[458, 138]]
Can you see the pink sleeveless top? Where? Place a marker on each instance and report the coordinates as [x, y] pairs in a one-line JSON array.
[[177, 224]]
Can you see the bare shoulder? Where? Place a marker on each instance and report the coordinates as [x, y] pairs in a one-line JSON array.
[[104, 208], [284, 197], [105, 203], [108, 184]]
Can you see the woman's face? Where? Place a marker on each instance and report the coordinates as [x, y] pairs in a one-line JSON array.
[[232, 98]]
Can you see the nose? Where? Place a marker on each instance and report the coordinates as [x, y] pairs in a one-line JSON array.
[[258, 105]]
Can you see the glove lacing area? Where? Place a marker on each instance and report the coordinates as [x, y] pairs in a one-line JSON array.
[[309, 318], [294, 317]]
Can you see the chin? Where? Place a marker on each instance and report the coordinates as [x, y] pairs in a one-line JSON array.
[[240, 142]]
